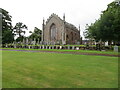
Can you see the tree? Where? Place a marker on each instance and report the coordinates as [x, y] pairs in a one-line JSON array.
[[36, 34], [18, 30], [7, 31], [107, 27]]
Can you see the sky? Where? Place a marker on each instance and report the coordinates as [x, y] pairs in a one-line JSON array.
[[32, 12]]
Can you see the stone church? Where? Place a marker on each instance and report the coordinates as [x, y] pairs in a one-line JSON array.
[[58, 31]]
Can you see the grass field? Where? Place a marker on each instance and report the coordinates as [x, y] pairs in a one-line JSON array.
[[0, 69], [52, 70]]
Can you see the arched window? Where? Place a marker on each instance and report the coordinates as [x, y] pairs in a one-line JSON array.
[[53, 32]]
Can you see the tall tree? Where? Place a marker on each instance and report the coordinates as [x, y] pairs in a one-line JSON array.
[[7, 35], [36, 34], [18, 29], [107, 27]]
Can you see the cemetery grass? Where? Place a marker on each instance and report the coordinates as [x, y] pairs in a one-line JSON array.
[[65, 50], [52, 70]]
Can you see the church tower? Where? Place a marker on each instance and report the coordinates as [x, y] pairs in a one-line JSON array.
[[64, 31], [43, 26]]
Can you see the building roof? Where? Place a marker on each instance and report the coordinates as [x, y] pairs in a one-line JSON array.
[[68, 25]]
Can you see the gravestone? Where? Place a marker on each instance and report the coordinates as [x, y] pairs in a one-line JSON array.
[[26, 41], [23, 41], [77, 48], [68, 47], [115, 48], [6, 45], [34, 41], [14, 43], [43, 47], [73, 47], [39, 47], [106, 43], [40, 42], [46, 47], [30, 41], [52, 47], [49, 47], [78, 43], [29, 46], [60, 47]]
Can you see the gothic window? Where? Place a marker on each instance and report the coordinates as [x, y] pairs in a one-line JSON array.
[[53, 32]]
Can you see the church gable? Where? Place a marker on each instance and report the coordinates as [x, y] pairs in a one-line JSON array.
[[56, 30], [53, 29], [54, 19]]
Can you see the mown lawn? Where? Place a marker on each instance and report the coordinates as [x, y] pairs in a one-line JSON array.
[[52, 70], [0, 69]]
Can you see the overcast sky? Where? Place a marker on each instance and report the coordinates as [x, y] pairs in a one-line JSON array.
[[31, 12]]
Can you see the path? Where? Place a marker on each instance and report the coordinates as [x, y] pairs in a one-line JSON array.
[[66, 52]]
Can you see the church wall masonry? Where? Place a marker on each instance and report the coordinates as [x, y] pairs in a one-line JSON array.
[[58, 31]]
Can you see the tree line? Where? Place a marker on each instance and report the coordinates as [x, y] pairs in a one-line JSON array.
[[107, 27], [9, 31]]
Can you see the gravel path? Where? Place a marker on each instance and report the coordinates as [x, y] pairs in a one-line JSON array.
[[65, 52]]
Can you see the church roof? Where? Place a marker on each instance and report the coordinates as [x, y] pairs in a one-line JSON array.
[[68, 25]]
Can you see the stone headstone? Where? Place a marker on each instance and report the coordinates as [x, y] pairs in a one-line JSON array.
[[6, 45], [14, 46], [43, 47], [27, 41], [40, 42], [78, 43], [115, 48], [60, 47], [49, 47], [68, 47], [46, 47], [106, 43], [39, 47], [34, 41], [77, 48], [29, 46], [95, 43], [30, 41], [52, 47], [23, 41], [73, 47], [64, 42]]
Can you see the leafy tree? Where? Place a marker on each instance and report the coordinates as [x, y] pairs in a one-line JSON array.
[[7, 35], [18, 30], [107, 27], [36, 34]]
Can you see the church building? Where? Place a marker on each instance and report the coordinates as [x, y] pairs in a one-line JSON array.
[[58, 31]]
